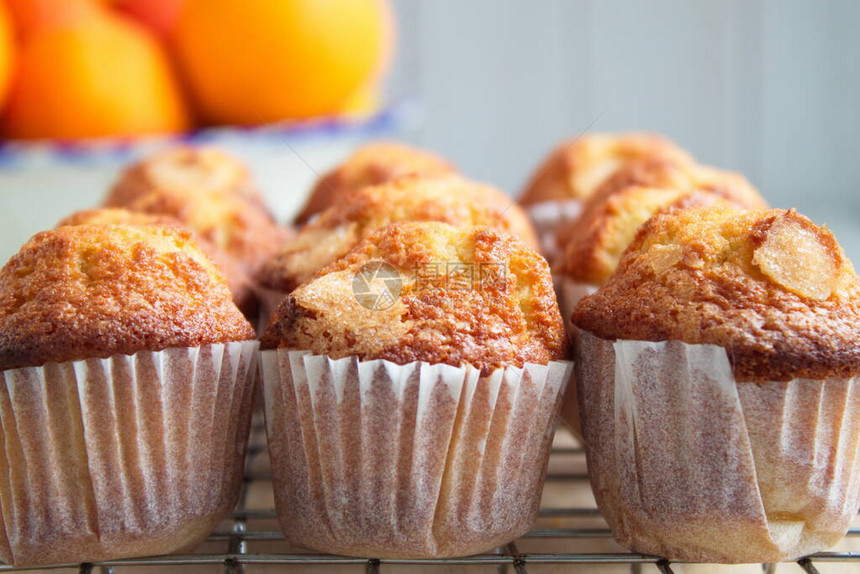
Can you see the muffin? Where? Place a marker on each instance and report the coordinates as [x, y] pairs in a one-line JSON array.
[[211, 194], [371, 164], [678, 174], [411, 390], [117, 216], [238, 280], [127, 374], [185, 168], [449, 199], [592, 246], [698, 363], [578, 167]]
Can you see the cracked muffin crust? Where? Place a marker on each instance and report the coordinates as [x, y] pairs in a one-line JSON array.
[[237, 277], [772, 288], [592, 244], [467, 295], [372, 164], [98, 290], [185, 168], [674, 174], [212, 195], [578, 167], [450, 199], [226, 223], [117, 216]]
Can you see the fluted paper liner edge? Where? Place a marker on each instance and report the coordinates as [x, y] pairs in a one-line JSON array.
[[128, 456], [371, 458], [689, 464], [569, 294]]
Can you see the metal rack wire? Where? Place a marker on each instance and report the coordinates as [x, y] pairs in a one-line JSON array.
[[570, 537]]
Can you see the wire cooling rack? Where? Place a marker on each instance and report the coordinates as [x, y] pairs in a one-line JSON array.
[[570, 538]]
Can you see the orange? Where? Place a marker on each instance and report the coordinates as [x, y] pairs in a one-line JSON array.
[[157, 15], [29, 15], [365, 101], [267, 60], [7, 49], [99, 76]]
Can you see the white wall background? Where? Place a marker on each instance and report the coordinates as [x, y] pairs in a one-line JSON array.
[[767, 87]]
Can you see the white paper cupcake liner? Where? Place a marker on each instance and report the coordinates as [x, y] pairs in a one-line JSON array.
[[547, 217], [128, 456], [687, 463], [569, 293], [407, 461]]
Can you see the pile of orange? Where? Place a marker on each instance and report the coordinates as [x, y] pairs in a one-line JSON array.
[[93, 68]]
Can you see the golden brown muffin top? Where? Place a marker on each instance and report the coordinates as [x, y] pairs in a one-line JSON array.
[[224, 221], [578, 167], [116, 216], [673, 174], [458, 295], [448, 199], [185, 168], [372, 164], [593, 243], [237, 278], [209, 192], [100, 290], [772, 288]]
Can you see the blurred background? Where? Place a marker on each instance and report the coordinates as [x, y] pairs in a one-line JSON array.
[[769, 88]]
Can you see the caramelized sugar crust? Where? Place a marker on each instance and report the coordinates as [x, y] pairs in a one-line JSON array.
[[209, 192], [771, 287], [448, 199], [194, 169], [462, 295], [577, 168], [212, 194], [372, 164], [592, 244], [235, 272], [97, 290]]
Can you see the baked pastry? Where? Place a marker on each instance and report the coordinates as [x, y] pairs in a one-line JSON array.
[[226, 223], [578, 167], [372, 164], [126, 375], [485, 328], [591, 246], [411, 391], [210, 194], [117, 216], [448, 199], [186, 168], [240, 283], [697, 363], [680, 174], [600, 164]]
